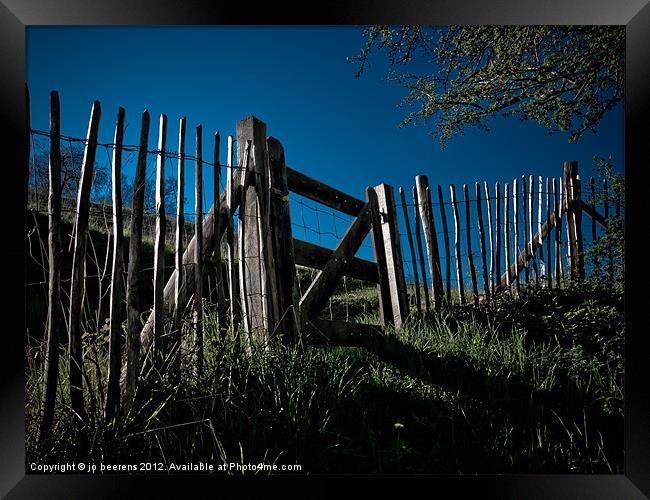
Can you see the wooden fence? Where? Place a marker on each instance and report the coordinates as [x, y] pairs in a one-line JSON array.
[[524, 225], [256, 278]]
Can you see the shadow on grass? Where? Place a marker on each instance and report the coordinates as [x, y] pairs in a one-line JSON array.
[[494, 410]]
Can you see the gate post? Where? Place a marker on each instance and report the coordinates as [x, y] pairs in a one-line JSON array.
[[281, 243]]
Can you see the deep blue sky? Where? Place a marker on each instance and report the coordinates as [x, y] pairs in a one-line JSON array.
[[334, 127]]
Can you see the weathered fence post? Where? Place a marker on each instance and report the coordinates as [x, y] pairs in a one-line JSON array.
[[459, 263], [470, 257], [233, 281], [221, 269], [481, 232], [531, 234], [28, 135], [78, 279], [418, 239], [506, 231], [558, 233], [159, 244], [526, 221], [198, 252], [430, 238], [412, 249], [577, 195], [542, 262], [254, 273], [393, 252], [133, 277], [282, 242], [592, 187], [179, 286], [490, 234], [383, 288], [116, 309], [321, 288], [564, 188], [270, 285], [497, 257], [445, 233], [610, 254], [570, 221], [597, 259], [51, 367], [574, 218], [515, 215], [617, 211]]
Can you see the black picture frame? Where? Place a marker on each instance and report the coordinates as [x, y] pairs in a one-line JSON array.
[[15, 15]]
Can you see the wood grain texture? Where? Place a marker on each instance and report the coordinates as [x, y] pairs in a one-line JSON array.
[[497, 256], [445, 233], [610, 254], [159, 242], [506, 230], [488, 204], [481, 235], [75, 355], [234, 308], [459, 261], [320, 192], [517, 265], [241, 231], [116, 313], [28, 135], [407, 222], [198, 251], [282, 241], [596, 218], [430, 238], [549, 274], [418, 239], [393, 251], [316, 296]]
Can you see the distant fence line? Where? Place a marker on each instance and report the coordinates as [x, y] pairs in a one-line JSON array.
[[498, 234]]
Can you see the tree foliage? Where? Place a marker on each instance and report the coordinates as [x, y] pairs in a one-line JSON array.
[[563, 77]]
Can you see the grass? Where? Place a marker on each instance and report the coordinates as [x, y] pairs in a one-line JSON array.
[[532, 383]]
